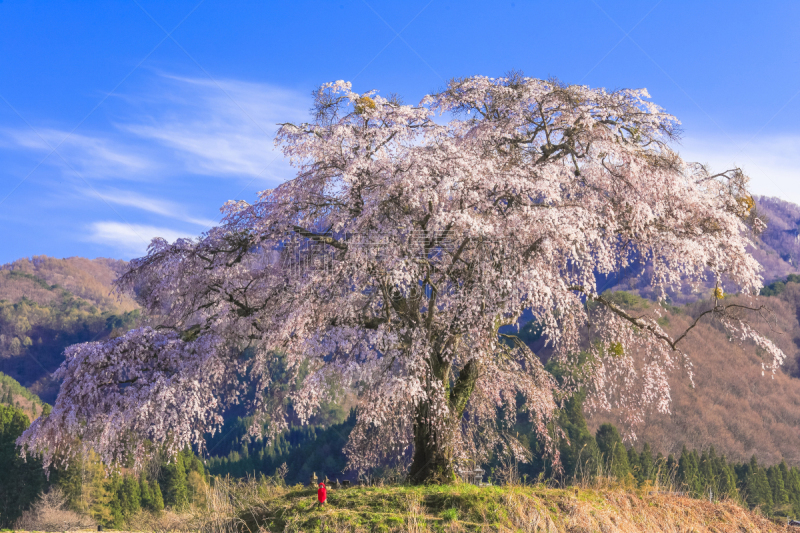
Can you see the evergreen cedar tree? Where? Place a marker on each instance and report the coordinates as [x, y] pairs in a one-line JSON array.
[[20, 481], [389, 263]]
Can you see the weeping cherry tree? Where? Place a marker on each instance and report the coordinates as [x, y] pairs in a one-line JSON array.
[[385, 268]]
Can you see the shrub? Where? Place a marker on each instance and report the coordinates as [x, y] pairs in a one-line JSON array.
[[50, 513], [450, 515]]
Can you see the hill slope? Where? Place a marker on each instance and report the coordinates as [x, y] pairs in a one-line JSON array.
[[778, 248], [732, 405], [46, 304], [12, 393], [88, 279]]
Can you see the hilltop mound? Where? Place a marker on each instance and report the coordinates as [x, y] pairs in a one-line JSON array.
[[457, 508]]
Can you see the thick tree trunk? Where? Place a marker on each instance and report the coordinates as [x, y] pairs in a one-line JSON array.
[[433, 458], [433, 461]]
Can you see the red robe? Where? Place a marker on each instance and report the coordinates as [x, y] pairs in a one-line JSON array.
[[322, 494]]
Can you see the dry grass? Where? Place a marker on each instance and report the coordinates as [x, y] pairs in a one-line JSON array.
[[235, 505], [50, 513]]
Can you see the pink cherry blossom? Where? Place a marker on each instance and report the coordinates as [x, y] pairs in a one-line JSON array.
[[409, 236]]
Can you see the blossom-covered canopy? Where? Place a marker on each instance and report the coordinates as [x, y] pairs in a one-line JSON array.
[[387, 265]]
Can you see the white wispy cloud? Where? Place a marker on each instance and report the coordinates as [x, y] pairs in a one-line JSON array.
[[152, 205], [131, 240], [92, 156], [177, 126], [221, 127], [771, 161]]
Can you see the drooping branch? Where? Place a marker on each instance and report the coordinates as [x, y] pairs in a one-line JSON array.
[[719, 310]]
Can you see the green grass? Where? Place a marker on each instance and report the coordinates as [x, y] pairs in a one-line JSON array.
[[401, 508], [450, 514], [268, 505]]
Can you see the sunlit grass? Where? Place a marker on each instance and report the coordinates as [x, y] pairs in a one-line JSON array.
[[267, 505]]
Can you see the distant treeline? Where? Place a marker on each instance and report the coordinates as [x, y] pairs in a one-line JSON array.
[[584, 458], [777, 287], [306, 450]]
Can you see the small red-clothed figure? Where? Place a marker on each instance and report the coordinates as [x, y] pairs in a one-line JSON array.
[[322, 494]]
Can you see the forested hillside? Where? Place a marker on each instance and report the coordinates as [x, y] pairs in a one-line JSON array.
[[88, 279], [15, 395], [778, 248], [85, 488], [46, 304], [733, 405]]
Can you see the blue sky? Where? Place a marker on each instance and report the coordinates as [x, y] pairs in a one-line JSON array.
[[121, 121]]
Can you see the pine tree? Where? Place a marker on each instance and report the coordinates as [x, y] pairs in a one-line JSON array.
[[633, 465], [764, 490], [96, 489], [613, 451], [129, 496], [646, 463], [708, 474], [71, 480], [115, 505], [579, 455], [758, 492], [672, 466], [192, 463], [726, 480], [146, 493], [792, 485], [699, 482], [158, 499], [687, 475], [20, 481], [780, 497], [174, 483]]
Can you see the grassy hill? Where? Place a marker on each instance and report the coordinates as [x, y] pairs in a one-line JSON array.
[[461, 508]]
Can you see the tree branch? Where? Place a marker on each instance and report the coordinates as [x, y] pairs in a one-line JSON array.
[[325, 239]]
